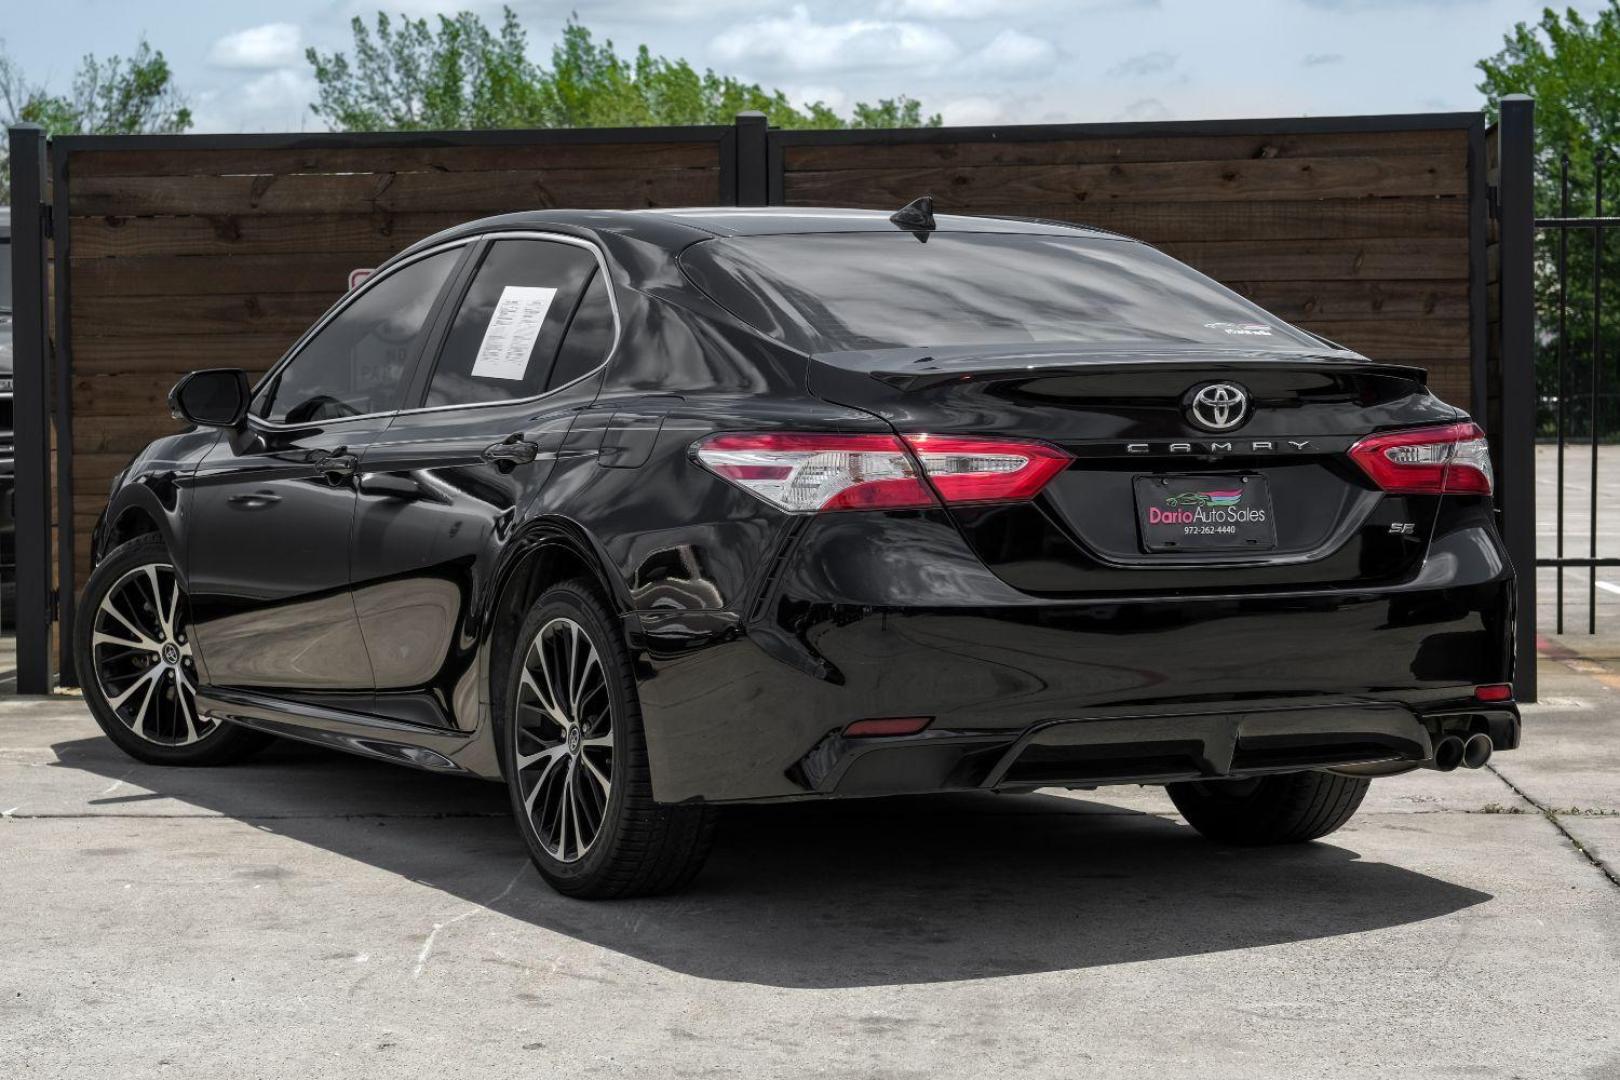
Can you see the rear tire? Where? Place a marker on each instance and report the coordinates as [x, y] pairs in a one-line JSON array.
[[1289, 808], [575, 758], [133, 657]]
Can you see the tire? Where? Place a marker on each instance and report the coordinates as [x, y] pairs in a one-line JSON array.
[[1289, 808], [578, 775], [144, 696]]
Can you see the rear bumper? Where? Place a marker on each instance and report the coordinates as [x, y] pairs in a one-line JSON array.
[[1024, 691]]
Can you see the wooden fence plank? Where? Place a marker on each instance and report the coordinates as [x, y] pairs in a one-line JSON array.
[[204, 275], [374, 234], [115, 356], [472, 193], [188, 315], [1262, 146], [1351, 300], [693, 155], [972, 187], [1327, 260]]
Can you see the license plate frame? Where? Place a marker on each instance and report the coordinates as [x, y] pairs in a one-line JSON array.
[[1198, 513]]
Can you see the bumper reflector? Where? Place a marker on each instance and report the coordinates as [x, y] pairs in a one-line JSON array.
[[1494, 692], [887, 725]]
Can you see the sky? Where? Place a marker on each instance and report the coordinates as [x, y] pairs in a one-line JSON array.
[[240, 62]]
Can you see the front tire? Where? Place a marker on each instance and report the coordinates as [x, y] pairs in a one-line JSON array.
[[132, 650], [575, 758], [1289, 808]]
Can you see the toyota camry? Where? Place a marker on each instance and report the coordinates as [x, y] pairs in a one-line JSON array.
[[645, 512]]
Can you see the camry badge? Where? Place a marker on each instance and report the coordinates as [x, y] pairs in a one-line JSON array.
[[1218, 406]]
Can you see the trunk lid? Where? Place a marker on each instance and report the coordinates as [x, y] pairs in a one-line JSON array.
[[1304, 513]]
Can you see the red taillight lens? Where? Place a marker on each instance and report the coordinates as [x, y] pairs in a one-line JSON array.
[[966, 470], [806, 472], [1428, 461], [1494, 692]]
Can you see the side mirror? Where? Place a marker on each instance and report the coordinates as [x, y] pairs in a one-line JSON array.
[[217, 397]]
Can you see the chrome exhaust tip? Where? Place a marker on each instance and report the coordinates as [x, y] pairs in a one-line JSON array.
[[1477, 750], [1448, 754]]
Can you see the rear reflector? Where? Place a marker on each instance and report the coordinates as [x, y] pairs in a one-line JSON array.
[[888, 725], [1494, 692], [809, 472], [1428, 461]]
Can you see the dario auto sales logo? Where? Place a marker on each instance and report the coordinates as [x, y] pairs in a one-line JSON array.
[[1205, 508]]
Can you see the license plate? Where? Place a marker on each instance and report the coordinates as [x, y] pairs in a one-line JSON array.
[[1205, 513]]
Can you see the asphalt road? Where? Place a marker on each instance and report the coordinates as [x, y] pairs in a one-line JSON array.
[[311, 915]]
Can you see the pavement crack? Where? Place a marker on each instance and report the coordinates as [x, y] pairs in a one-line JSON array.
[[1552, 816], [426, 952]]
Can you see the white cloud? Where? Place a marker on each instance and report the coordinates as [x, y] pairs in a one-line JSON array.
[[1143, 65], [1319, 59], [1145, 109], [796, 42], [983, 9], [258, 48], [973, 111], [273, 101], [1016, 54]]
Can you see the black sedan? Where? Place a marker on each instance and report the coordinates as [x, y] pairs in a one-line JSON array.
[[646, 512]]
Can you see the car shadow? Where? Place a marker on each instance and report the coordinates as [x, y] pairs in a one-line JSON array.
[[835, 894]]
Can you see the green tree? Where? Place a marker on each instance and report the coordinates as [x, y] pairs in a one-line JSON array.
[[115, 96], [408, 75], [1570, 64]]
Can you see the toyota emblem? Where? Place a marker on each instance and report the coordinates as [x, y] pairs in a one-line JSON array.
[[1218, 406]]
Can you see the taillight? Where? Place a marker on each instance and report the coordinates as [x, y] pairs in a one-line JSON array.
[[805, 472], [965, 470], [1428, 461]]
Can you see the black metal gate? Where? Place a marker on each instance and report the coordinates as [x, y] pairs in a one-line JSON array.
[[1582, 399]]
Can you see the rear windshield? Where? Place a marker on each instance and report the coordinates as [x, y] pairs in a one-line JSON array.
[[836, 292]]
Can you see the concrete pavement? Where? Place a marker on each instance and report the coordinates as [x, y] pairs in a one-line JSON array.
[[311, 915]]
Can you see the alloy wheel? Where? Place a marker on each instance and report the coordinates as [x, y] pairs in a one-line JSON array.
[[143, 661], [563, 739]]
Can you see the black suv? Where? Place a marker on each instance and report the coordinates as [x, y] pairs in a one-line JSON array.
[[646, 512]]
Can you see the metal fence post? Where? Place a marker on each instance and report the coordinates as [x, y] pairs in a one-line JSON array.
[[31, 401], [1516, 195], [752, 129]]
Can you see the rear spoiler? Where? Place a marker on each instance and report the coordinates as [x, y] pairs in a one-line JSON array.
[[907, 369]]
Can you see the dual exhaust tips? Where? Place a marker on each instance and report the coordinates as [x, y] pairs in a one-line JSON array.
[[1450, 751]]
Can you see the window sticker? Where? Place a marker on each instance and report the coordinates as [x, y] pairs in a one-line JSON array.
[[1253, 329], [512, 332]]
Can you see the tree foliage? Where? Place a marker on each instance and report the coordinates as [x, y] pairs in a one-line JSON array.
[[405, 74], [1570, 65], [115, 96]]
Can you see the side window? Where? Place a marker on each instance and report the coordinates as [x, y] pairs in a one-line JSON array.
[[589, 336], [357, 363], [510, 324]]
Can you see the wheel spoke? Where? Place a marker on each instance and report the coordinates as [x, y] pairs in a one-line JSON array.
[[528, 802], [550, 754], [185, 709], [547, 705], [100, 638], [157, 600], [111, 608], [599, 776]]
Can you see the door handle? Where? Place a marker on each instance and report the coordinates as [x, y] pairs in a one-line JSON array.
[[257, 500], [510, 452]]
